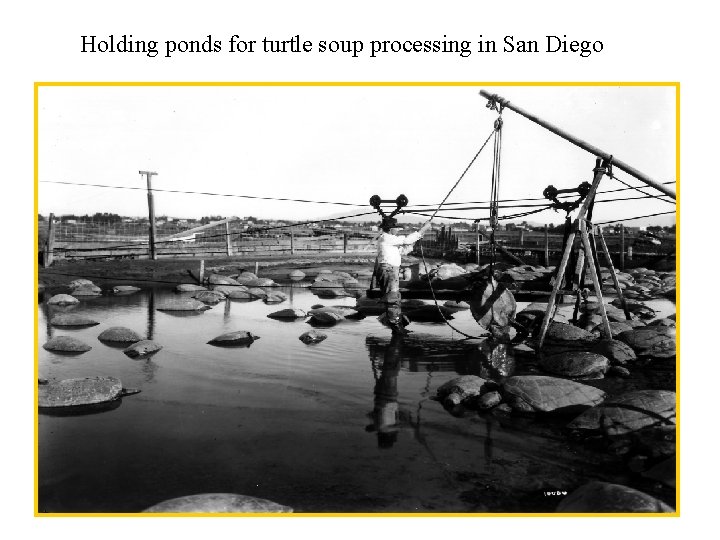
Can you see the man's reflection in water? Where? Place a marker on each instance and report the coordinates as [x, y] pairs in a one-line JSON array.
[[385, 414]]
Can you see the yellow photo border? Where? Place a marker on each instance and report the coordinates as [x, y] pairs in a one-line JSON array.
[[675, 85]]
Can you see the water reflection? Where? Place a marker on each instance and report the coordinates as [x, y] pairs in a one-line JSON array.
[[151, 315], [385, 414], [80, 410]]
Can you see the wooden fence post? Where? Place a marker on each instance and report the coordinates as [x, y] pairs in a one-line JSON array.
[[202, 271], [292, 240], [50, 243], [477, 243], [345, 242], [622, 248], [522, 236], [547, 246]]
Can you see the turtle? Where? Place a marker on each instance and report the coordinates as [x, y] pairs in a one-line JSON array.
[[119, 334], [242, 294], [69, 319], [653, 341], [259, 282], [241, 338], [217, 279], [296, 275], [564, 332], [66, 344], [209, 297], [125, 289], [257, 292], [328, 288], [628, 412], [617, 352], [145, 347], [218, 503], [78, 392], [189, 287], [456, 305], [662, 322], [275, 298], [597, 497], [324, 316], [244, 277], [313, 336], [576, 364], [75, 283], [184, 304], [288, 313], [450, 270], [548, 394], [63, 300], [87, 290], [616, 328], [492, 303], [464, 390]]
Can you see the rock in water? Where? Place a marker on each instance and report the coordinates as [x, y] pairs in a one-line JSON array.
[[550, 394], [66, 344], [146, 347], [125, 289], [288, 314], [241, 338], [492, 303], [605, 497], [217, 503], [119, 334], [189, 287], [63, 300], [629, 412], [312, 336], [75, 392], [185, 304], [69, 319], [463, 390], [576, 364]]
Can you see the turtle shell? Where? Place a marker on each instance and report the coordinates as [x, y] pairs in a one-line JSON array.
[[209, 297], [216, 503], [69, 319], [257, 292], [66, 344], [189, 287], [275, 298], [145, 347], [185, 304], [629, 412], [605, 497], [87, 290], [241, 293], [74, 392], [63, 300], [558, 331], [616, 328], [296, 275], [313, 336], [654, 341], [119, 289], [217, 279], [492, 302], [575, 364], [325, 316], [288, 314], [549, 394], [461, 389], [245, 277], [241, 338], [119, 334], [75, 283], [617, 352], [259, 282]]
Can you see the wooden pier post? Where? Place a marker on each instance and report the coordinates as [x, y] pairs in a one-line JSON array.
[[228, 242], [629, 253], [547, 246], [522, 236], [345, 242], [50, 243], [622, 247], [292, 240], [202, 271], [151, 213], [257, 267], [477, 243]]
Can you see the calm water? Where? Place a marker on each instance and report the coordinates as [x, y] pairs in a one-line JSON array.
[[294, 423]]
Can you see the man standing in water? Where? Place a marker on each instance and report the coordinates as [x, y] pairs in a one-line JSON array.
[[390, 249]]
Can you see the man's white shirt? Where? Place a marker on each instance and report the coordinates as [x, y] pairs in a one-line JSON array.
[[392, 247]]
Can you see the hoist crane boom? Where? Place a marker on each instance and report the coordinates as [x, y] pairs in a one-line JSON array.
[[580, 143]]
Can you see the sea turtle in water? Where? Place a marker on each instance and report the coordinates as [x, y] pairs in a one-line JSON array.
[[463, 390], [209, 297], [125, 289], [563, 332], [492, 303], [576, 364], [605, 497], [296, 275], [119, 334], [63, 300], [69, 319], [66, 344], [218, 503], [275, 298], [77, 392], [241, 338], [75, 283], [87, 290], [531, 393], [189, 287], [259, 282], [185, 304], [628, 412], [288, 313], [617, 352], [145, 347], [313, 336], [616, 328], [241, 293], [653, 341], [217, 279]]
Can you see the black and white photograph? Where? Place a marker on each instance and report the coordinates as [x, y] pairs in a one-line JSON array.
[[356, 299]]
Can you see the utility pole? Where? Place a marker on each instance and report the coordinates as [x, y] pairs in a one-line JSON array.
[[151, 211]]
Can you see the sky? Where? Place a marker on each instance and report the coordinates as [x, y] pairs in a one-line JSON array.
[[341, 144]]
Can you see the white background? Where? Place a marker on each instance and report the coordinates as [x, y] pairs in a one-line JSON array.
[[659, 41]]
